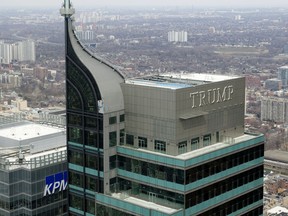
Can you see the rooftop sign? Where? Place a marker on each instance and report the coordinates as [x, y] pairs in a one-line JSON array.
[[211, 96]]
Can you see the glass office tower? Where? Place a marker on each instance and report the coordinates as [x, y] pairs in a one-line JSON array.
[[33, 167], [157, 145]]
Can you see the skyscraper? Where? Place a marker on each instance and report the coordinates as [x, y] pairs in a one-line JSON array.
[[157, 145], [282, 74], [26, 51]]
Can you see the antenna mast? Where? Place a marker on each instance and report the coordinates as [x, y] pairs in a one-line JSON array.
[[67, 10]]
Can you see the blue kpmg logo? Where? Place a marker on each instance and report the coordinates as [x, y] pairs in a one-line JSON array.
[[56, 183]]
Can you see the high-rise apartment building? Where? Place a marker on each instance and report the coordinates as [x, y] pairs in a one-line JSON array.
[[274, 109], [177, 36], [20, 51], [157, 145], [26, 51]]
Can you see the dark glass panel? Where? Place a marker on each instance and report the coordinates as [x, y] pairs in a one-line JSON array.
[[91, 138], [112, 120], [76, 202], [73, 98], [75, 157], [112, 138], [75, 135], [76, 179], [91, 161]]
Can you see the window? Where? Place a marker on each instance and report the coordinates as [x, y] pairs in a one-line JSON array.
[[75, 135], [74, 120], [122, 137], [76, 179], [100, 124], [122, 118], [75, 157], [100, 144], [90, 122], [182, 147], [129, 139], [195, 143], [217, 136], [112, 161], [112, 120], [76, 202], [90, 206], [112, 138], [91, 161], [91, 138], [91, 183], [207, 140], [160, 146], [142, 142]]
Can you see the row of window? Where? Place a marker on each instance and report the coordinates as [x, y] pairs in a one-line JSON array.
[[160, 146], [149, 193], [90, 160], [238, 203], [89, 122], [91, 138], [195, 143], [224, 163], [108, 211], [113, 119], [190, 175], [224, 186], [86, 205], [20, 175], [150, 169], [89, 182], [25, 201]]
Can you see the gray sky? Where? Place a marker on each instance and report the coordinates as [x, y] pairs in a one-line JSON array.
[[95, 3]]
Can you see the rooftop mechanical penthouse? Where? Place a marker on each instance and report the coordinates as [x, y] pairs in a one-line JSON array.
[[168, 144]]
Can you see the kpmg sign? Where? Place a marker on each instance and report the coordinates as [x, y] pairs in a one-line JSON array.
[[211, 96], [56, 183]]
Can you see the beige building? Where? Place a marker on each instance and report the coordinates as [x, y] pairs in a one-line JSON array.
[[274, 109], [20, 104]]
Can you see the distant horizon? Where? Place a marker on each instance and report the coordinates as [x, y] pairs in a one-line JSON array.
[[86, 4]]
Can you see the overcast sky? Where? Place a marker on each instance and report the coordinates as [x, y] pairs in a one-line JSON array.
[[195, 3]]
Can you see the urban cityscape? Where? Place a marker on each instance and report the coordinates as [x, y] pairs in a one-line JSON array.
[[144, 111]]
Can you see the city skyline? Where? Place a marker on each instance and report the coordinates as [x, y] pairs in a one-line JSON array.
[[132, 3]]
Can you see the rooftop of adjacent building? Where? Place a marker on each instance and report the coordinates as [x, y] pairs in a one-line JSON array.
[[284, 67], [276, 155], [30, 144], [277, 210], [27, 131], [178, 81]]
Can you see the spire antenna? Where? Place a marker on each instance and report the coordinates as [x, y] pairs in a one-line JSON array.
[[67, 10]]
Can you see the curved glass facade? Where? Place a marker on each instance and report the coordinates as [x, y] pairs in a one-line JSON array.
[[84, 132]]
